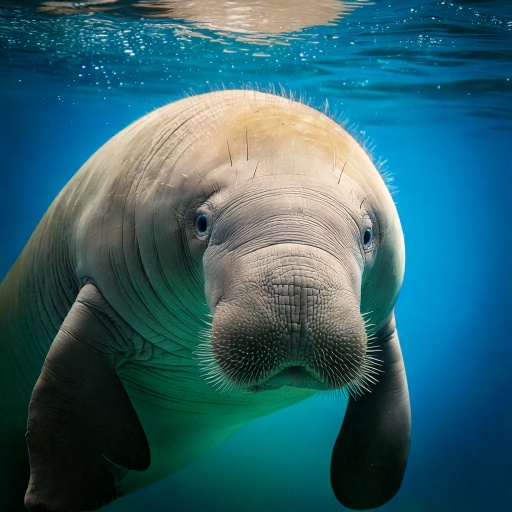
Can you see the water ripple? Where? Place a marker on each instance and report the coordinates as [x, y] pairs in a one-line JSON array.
[[439, 51]]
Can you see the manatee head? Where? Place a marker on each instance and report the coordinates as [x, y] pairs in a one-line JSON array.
[[299, 245]]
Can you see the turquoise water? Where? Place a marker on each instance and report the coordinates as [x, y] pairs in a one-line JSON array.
[[428, 87]]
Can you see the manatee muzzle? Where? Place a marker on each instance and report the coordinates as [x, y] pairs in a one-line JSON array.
[[293, 329]]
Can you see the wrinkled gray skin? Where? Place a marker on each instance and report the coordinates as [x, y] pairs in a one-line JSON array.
[[221, 258]]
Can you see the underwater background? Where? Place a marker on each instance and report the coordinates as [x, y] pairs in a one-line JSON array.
[[427, 86]]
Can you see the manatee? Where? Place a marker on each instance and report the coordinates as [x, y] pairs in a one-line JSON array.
[[225, 256]]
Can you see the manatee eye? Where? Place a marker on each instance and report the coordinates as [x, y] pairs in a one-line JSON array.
[[367, 237], [201, 224]]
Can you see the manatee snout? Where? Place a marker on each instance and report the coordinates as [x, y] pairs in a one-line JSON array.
[[292, 322]]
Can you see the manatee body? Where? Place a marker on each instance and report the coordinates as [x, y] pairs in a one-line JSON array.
[[223, 257]]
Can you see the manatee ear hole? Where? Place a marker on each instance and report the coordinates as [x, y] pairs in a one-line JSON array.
[[201, 224]]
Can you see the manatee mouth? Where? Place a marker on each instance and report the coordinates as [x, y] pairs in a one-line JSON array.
[[294, 376]]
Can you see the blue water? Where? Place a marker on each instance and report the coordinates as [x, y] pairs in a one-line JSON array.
[[428, 86]]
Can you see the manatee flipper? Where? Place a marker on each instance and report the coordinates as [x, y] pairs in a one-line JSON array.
[[370, 454], [82, 427]]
